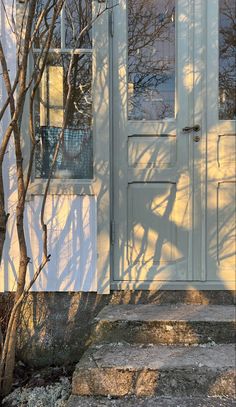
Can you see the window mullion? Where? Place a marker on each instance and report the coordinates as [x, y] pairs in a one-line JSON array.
[[63, 27], [65, 51]]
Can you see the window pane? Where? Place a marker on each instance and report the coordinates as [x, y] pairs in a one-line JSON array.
[[78, 16], [75, 159], [42, 32], [151, 59], [227, 56]]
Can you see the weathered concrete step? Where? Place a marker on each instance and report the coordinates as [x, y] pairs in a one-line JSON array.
[[166, 324], [77, 401], [124, 369]]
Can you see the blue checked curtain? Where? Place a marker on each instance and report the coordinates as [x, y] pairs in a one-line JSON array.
[[75, 158]]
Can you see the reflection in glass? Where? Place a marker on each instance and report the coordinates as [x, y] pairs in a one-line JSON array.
[[75, 156], [151, 59], [42, 32], [76, 18], [227, 57], [78, 15]]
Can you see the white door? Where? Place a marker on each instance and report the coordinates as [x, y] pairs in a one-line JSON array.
[[221, 143], [161, 154]]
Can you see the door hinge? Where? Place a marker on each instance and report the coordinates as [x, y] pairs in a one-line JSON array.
[[111, 23], [112, 232]]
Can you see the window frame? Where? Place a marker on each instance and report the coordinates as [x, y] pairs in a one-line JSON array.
[[100, 186], [67, 186]]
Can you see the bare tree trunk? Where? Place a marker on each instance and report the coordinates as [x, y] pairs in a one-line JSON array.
[[7, 365], [24, 260], [3, 215], [26, 40]]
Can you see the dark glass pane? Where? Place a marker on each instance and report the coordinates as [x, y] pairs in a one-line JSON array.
[[78, 17], [42, 32], [151, 59], [227, 58], [75, 159]]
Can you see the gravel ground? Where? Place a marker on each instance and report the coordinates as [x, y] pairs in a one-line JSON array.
[[150, 402], [57, 394]]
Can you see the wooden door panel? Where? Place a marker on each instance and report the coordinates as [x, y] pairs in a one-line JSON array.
[[226, 232], [157, 229], [152, 152], [226, 148]]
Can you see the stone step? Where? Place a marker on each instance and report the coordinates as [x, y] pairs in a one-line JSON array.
[[133, 401], [165, 324], [123, 369]]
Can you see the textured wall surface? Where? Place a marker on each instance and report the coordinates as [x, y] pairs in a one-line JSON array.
[[71, 224]]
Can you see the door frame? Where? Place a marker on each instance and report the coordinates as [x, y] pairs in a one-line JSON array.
[[184, 81], [101, 184], [199, 38]]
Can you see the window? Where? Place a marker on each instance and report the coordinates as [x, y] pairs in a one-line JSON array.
[[227, 57], [75, 158], [151, 59]]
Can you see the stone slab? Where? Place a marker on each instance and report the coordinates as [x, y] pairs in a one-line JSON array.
[[180, 312], [166, 324], [76, 401], [123, 369], [56, 326]]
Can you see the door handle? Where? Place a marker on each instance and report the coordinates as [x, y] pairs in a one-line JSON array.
[[195, 129]]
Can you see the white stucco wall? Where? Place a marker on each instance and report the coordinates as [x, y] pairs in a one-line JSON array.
[[71, 222]]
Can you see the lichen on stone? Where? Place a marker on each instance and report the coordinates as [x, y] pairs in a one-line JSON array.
[[53, 395]]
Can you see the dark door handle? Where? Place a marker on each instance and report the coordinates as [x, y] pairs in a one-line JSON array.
[[195, 128]]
